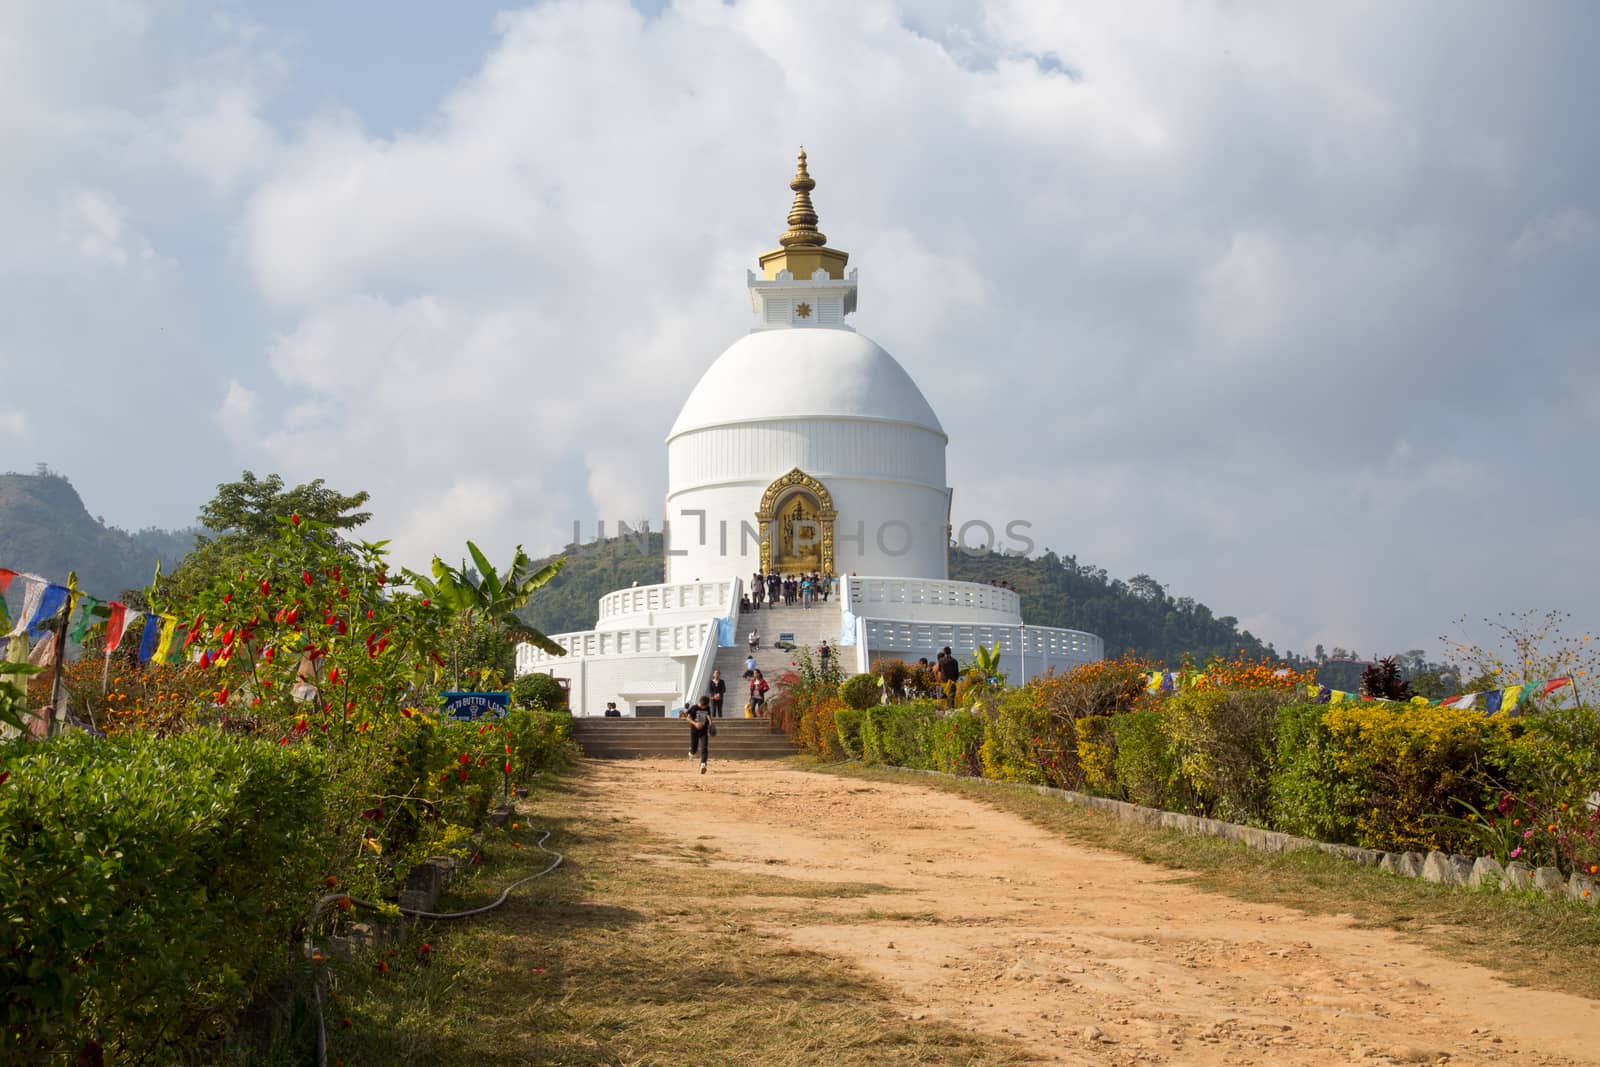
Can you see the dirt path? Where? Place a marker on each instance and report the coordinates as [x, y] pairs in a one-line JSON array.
[[1083, 955]]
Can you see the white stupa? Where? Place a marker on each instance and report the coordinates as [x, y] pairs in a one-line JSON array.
[[805, 448]]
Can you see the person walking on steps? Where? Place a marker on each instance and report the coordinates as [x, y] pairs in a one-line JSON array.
[[758, 695], [716, 689], [700, 730]]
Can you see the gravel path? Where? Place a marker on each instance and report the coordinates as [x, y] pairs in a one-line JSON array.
[[1084, 956]]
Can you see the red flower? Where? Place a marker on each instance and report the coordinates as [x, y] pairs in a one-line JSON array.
[[465, 759], [342, 627], [333, 676], [508, 750], [426, 602], [463, 774], [349, 705], [508, 766], [3, 776], [227, 598], [265, 587], [222, 695], [268, 654], [305, 576], [295, 518], [205, 660]]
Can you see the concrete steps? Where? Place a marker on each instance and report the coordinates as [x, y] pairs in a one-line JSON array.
[[602, 738], [807, 627]]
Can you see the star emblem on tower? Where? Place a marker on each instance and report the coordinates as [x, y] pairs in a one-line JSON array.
[[804, 311]]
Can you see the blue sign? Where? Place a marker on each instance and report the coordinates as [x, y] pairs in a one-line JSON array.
[[470, 706]]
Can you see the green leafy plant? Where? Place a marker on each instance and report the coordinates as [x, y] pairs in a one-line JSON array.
[[860, 691]]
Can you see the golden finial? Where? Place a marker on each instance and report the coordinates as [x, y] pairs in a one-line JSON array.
[[803, 248], [802, 231]]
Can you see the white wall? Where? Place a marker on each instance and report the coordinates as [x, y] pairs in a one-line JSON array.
[[1039, 648], [886, 478], [629, 680], [883, 528]]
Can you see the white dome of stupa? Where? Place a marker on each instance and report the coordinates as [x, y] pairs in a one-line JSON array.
[[833, 374], [803, 424]]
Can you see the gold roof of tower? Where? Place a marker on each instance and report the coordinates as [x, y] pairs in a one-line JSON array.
[[803, 248]]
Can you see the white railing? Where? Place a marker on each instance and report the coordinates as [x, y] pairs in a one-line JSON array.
[[624, 605], [912, 598], [1042, 647], [685, 639], [701, 677]]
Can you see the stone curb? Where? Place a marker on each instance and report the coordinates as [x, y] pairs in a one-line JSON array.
[[1478, 873]]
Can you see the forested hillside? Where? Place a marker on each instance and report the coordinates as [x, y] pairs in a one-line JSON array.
[[45, 529]]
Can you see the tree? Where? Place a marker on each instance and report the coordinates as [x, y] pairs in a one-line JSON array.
[[252, 506], [243, 516], [479, 594]]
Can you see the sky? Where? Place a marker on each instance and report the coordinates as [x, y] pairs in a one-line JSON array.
[[1292, 307]]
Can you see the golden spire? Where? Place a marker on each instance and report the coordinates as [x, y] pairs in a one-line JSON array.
[[803, 248], [802, 216]]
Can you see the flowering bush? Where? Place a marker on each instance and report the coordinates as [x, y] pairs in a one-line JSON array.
[[1409, 765]]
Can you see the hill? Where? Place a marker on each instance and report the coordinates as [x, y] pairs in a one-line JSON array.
[[45, 529], [1133, 616]]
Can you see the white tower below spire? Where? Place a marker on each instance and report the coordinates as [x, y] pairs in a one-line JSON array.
[[820, 300]]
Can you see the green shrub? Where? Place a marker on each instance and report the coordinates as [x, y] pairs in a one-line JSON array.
[[859, 691], [955, 742], [1012, 737], [847, 724], [538, 691], [1552, 769], [1412, 769], [149, 887], [1097, 754], [540, 740], [1223, 742], [895, 734], [1306, 793], [1147, 771]]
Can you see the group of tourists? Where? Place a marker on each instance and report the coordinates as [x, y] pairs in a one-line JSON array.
[[802, 589]]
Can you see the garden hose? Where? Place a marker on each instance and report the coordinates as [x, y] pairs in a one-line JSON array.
[[331, 898]]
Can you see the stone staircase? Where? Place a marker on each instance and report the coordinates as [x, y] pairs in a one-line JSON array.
[[807, 627], [602, 738]]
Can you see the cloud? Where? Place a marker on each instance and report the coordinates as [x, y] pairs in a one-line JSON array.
[[13, 422], [1245, 300]]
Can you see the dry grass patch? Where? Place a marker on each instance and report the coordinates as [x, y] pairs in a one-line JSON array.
[[1527, 938], [630, 953]]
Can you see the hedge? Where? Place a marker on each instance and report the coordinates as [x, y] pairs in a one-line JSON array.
[[1383, 775], [148, 886]]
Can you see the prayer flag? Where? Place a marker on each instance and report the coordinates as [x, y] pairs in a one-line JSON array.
[[169, 624], [51, 601], [85, 618], [1553, 684], [149, 637], [5, 579], [32, 594], [1502, 699], [1465, 700], [116, 626]]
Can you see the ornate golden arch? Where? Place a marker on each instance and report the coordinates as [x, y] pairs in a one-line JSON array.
[[796, 481]]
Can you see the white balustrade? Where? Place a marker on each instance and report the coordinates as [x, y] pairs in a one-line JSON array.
[[685, 639], [908, 598], [1040, 646], [642, 602]]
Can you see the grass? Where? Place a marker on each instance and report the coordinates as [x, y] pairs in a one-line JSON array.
[[1525, 937], [629, 953]]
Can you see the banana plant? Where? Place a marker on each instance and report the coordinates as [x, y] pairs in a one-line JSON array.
[[479, 593], [986, 666]]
